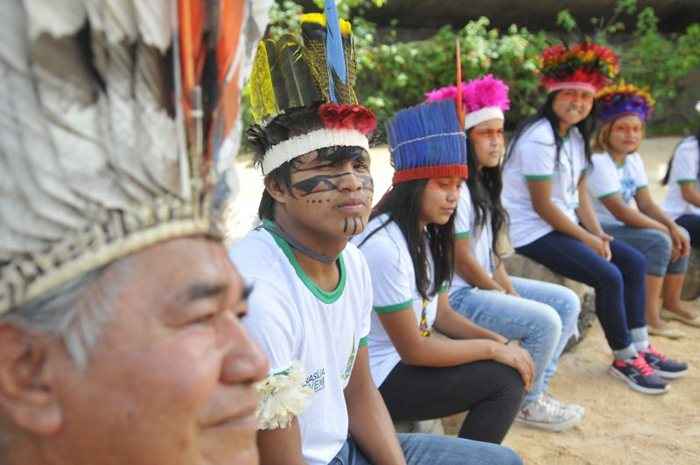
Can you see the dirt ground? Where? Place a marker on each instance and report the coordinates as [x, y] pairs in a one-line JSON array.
[[621, 426]]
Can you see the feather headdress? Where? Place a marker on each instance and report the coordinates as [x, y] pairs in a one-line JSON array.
[[427, 141], [316, 68], [484, 98], [585, 66], [624, 99], [118, 120]]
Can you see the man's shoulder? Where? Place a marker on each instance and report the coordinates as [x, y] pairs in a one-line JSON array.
[[255, 251]]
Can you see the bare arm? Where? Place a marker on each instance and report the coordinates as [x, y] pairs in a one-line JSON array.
[[370, 424], [467, 266], [540, 193], [414, 349], [690, 193], [630, 216], [456, 326], [281, 446], [502, 278], [681, 244]]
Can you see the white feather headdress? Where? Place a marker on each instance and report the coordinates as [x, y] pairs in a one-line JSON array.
[[117, 122]]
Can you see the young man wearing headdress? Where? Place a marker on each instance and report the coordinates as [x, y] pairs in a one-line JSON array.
[[113, 352], [310, 309]]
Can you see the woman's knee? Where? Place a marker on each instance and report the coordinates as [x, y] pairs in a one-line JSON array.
[[659, 250]]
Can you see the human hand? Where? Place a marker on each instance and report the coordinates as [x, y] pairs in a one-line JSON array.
[[519, 359], [681, 242], [599, 245]]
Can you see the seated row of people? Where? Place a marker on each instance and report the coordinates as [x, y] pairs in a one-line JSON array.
[[418, 303]]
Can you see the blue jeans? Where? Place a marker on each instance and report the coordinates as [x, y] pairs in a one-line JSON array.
[[619, 284], [430, 449], [654, 245], [692, 224], [543, 319]]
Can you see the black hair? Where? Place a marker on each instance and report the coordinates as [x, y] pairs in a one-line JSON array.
[[485, 187], [667, 176], [291, 123], [586, 127], [403, 203]]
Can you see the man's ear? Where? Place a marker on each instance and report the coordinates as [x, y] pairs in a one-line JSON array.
[[27, 396], [277, 191]]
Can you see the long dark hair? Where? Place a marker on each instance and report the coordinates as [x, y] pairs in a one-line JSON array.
[[403, 203], [586, 127], [485, 187], [667, 176]]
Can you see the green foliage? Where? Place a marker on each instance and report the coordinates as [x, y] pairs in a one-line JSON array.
[[649, 59], [396, 75]]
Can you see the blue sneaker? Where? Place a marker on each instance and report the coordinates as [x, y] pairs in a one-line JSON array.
[[664, 366], [638, 375]]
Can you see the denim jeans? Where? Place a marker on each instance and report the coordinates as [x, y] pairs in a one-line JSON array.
[[692, 224], [654, 245], [619, 283], [430, 449], [543, 319]]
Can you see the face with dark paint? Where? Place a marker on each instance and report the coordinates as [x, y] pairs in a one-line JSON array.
[[331, 193]]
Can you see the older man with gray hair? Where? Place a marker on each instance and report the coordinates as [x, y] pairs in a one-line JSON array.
[[119, 309]]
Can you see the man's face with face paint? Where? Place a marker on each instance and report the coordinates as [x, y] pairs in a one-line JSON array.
[[331, 192]]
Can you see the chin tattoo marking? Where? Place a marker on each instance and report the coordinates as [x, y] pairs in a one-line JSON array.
[[354, 226]]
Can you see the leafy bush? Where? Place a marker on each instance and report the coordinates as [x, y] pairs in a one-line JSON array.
[[396, 75]]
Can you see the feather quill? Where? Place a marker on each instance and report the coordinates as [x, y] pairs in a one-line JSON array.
[[335, 56]]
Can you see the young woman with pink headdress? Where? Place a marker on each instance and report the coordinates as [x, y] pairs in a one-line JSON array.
[[541, 316]]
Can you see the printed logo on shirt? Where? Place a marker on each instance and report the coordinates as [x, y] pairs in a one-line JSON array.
[[316, 381], [628, 188]]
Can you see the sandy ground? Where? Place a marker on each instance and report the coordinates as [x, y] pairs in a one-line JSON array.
[[621, 427]]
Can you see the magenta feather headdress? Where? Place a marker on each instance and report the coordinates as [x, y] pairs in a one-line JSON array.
[[484, 99]]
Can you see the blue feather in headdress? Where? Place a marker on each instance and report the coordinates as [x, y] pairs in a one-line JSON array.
[[335, 57], [426, 135]]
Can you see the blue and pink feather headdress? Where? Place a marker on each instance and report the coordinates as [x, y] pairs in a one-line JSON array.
[[483, 99]]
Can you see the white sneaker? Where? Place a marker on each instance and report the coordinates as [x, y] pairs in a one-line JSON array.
[[547, 413], [578, 409]]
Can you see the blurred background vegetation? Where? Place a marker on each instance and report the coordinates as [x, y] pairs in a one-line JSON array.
[[395, 69]]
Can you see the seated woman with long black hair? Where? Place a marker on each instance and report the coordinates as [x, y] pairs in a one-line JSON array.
[[409, 246], [541, 316]]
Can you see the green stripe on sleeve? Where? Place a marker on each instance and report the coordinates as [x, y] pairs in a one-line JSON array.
[[601, 197], [363, 342], [394, 308], [685, 181], [539, 177], [642, 187], [463, 235]]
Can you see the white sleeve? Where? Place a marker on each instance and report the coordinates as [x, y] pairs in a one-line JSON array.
[[366, 315], [391, 279], [639, 173], [603, 179], [463, 215], [270, 324], [538, 155], [685, 162]]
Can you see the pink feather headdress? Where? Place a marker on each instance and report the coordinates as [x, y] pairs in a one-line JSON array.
[[484, 99]]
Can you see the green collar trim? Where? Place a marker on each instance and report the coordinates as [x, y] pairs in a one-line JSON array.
[[327, 297]]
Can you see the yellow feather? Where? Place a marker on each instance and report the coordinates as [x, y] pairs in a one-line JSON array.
[[263, 101], [320, 19]]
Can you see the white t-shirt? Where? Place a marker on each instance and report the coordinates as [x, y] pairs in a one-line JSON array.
[[294, 320], [480, 240], [394, 286], [534, 157], [607, 178], [683, 169]]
